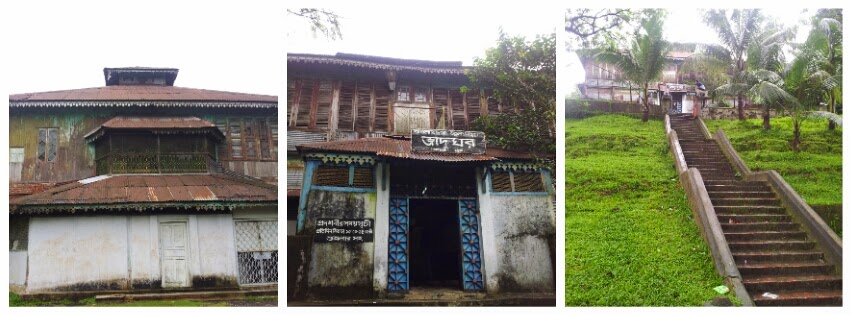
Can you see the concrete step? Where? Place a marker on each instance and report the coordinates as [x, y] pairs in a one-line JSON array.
[[764, 245], [740, 183], [712, 186], [759, 226], [806, 298], [745, 201], [741, 194], [765, 236], [785, 284], [756, 217], [729, 210], [744, 257], [785, 269]]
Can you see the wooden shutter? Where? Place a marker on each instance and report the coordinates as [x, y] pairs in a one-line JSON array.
[[474, 106], [459, 115], [363, 177], [528, 182], [363, 105], [382, 108], [346, 111], [305, 99], [440, 98], [331, 175], [291, 91], [273, 125], [501, 181], [493, 103], [323, 105]]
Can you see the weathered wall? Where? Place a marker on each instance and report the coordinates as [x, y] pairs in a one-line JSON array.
[[17, 268], [123, 252], [77, 253], [340, 270], [731, 113], [521, 225], [75, 158]]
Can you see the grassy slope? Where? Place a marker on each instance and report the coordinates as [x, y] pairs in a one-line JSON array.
[[630, 236], [815, 172]]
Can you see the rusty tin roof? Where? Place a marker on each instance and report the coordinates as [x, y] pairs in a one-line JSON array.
[[156, 123], [382, 63], [400, 147], [144, 192], [138, 93]]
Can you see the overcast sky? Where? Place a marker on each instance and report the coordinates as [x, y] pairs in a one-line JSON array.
[[686, 25], [424, 30], [65, 45]]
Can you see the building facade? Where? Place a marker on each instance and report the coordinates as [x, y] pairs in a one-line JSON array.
[[140, 185], [393, 192], [606, 82]]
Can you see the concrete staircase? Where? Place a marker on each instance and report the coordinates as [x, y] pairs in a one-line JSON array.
[[779, 263]]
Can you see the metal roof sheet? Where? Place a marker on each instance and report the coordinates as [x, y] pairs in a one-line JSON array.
[[139, 93]]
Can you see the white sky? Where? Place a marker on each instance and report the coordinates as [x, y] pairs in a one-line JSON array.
[[216, 46], [424, 30], [686, 25]]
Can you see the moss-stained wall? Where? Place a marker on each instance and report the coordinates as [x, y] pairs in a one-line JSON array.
[[522, 225], [340, 270], [75, 158]]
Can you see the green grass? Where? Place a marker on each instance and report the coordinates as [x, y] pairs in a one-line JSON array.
[[630, 236], [15, 300], [815, 172]]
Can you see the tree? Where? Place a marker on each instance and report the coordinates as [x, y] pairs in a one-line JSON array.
[[737, 32], [593, 26], [826, 36], [321, 21], [521, 73], [646, 58], [807, 82], [765, 60]]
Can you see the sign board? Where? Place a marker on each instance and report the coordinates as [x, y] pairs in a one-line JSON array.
[[676, 87], [447, 141], [343, 231]]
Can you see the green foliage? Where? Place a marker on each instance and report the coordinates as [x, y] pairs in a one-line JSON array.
[[321, 21], [522, 73], [630, 237], [815, 172]]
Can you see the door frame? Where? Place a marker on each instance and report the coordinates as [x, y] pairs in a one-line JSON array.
[[171, 220]]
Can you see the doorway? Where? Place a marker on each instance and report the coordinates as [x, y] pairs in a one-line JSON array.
[[175, 255], [435, 244]]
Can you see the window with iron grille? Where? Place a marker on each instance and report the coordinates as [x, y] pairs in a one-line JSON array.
[[257, 251], [18, 233], [344, 176], [517, 181], [47, 144]]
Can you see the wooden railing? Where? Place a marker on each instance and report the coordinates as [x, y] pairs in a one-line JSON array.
[[142, 163]]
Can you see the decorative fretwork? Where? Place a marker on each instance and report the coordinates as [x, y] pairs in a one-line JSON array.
[[140, 163], [342, 158], [470, 246], [397, 258], [505, 166]]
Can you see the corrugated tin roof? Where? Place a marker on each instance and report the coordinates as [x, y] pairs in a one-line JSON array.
[[139, 93], [152, 190], [156, 123], [400, 147], [383, 63]]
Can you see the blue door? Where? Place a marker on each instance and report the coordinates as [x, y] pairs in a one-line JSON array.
[[471, 261], [397, 273]]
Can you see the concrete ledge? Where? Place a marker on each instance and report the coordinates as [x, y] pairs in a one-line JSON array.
[[77, 295], [200, 295], [703, 128], [730, 152], [710, 228], [676, 150], [826, 238]]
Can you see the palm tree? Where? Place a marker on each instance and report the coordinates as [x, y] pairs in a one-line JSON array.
[[645, 60], [737, 32], [826, 36], [808, 82], [765, 60]]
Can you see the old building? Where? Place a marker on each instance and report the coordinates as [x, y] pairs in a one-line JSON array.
[[140, 184], [606, 82], [392, 191]]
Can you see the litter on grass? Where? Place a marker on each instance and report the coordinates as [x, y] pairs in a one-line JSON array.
[[722, 289]]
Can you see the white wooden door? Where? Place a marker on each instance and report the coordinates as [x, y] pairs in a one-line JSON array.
[[175, 255]]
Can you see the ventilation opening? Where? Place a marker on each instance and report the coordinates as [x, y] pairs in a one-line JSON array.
[[528, 182], [501, 181], [328, 175], [435, 243]]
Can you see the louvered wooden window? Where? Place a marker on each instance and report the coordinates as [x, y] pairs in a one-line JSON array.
[[517, 181], [249, 138], [363, 177], [459, 114], [363, 113], [47, 144], [303, 103], [440, 98], [331, 175], [501, 181], [344, 176], [474, 106], [323, 105], [309, 103], [382, 108], [347, 105]]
